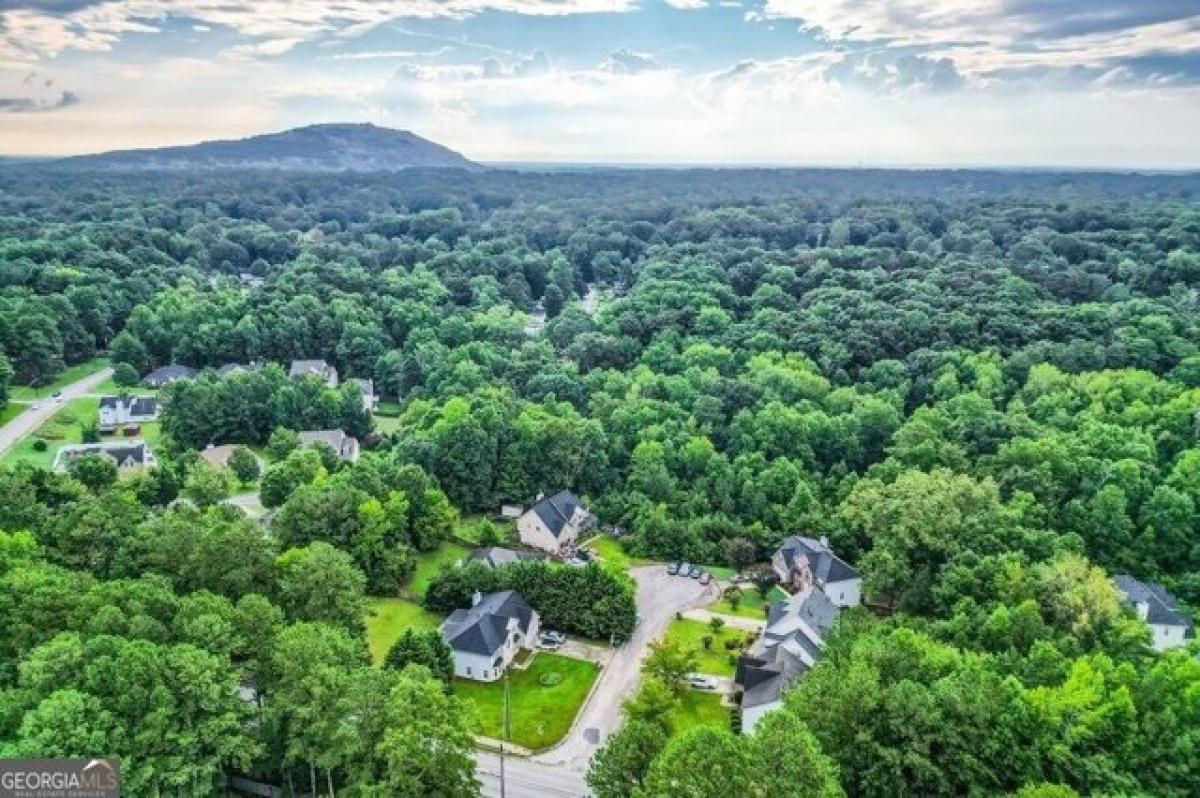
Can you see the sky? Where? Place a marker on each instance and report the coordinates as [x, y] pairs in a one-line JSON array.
[[1071, 83]]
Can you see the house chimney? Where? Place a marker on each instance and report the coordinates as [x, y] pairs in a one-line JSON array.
[[476, 598]]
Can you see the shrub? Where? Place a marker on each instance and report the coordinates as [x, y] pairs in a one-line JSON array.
[[550, 679], [40, 445]]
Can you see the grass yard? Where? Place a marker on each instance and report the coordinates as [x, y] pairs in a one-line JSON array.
[[110, 388], [70, 374], [386, 425], [752, 604], [612, 553], [715, 660], [539, 714], [430, 563], [387, 618], [62, 428], [470, 529], [697, 708], [11, 411]]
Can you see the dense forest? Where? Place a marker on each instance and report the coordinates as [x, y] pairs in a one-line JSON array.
[[983, 387]]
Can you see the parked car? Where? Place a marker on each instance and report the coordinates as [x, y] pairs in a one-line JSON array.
[[551, 639], [56, 395], [575, 562], [548, 645], [705, 578], [738, 579], [696, 571], [672, 569], [685, 569], [698, 681]]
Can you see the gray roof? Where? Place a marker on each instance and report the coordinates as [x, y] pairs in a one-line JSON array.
[[230, 368], [121, 451], [1162, 608], [483, 628], [316, 368], [789, 646], [136, 405], [557, 510], [168, 373], [825, 565], [495, 556]]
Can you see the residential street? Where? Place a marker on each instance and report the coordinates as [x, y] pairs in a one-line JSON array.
[[525, 778], [659, 597], [31, 419]]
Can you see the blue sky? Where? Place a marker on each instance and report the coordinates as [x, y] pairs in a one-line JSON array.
[[876, 82]]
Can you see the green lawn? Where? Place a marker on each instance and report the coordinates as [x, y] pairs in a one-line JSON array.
[[430, 563], [70, 374], [469, 529], [110, 388], [387, 618], [388, 408], [715, 660], [11, 411], [539, 715], [62, 428], [752, 604], [385, 425], [612, 553], [697, 708]]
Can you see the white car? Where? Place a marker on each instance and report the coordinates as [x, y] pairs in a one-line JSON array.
[[551, 636], [698, 681]]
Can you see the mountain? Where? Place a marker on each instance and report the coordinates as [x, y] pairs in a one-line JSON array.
[[316, 148]]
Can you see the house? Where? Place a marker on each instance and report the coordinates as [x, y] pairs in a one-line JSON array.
[[485, 638], [251, 280], [496, 556], [218, 456], [116, 410], [167, 374], [128, 455], [314, 368], [789, 646], [555, 522], [344, 446], [1169, 627], [511, 512], [802, 562], [370, 398]]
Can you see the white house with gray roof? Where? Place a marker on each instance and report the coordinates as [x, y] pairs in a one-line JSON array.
[[116, 410], [789, 646], [555, 522], [343, 445], [314, 368], [128, 455], [1169, 627], [485, 638], [809, 562]]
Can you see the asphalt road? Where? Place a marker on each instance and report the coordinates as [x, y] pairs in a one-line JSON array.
[[559, 772], [31, 419]]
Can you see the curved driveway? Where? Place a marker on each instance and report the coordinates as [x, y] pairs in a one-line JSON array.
[[561, 770], [31, 419]]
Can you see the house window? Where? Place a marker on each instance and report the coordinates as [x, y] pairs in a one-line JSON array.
[[468, 671]]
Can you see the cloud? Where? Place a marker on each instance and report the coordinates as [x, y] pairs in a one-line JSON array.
[[881, 70], [32, 105], [39, 28], [991, 39], [627, 62]]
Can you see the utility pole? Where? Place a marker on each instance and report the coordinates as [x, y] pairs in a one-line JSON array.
[[504, 734]]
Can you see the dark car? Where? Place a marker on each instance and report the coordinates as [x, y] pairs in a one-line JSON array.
[[696, 571], [673, 568]]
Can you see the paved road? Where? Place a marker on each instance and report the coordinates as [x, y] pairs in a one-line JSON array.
[[31, 419], [659, 597], [524, 778]]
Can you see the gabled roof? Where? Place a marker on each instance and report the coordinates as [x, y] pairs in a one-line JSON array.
[[556, 511], [301, 368], [171, 372], [761, 680], [495, 556], [230, 368], [789, 647], [825, 565], [483, 628], [1162, 608]]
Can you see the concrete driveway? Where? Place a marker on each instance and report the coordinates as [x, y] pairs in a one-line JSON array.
[[31, 419], [659, 597]]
